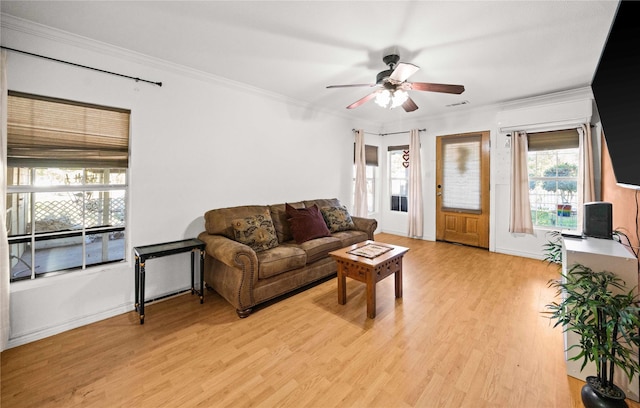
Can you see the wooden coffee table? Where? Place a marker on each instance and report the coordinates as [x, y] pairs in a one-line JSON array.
[[368, 268]]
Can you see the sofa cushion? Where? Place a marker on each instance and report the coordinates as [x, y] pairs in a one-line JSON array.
[[278, 260], [319, 248], [350, 237], [281, 221], [337, 219], [256, 231], [323, 202], [220, 220], [306, 223]]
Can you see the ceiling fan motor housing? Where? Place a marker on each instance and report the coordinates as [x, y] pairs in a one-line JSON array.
[[391, 61], [383, 75]]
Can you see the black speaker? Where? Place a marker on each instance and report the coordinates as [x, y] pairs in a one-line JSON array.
[[598, 220]]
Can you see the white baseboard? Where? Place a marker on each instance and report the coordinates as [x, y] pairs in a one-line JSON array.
[[519, 253], [72, 324]]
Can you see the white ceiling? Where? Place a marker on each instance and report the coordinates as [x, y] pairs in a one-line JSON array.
[[499, 50]]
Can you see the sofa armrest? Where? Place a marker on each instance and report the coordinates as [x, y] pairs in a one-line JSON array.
[[231, 268], [368, 225], [230, 252]]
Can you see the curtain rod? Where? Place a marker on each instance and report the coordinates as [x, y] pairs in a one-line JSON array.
[[387, 134], [81, 66], [561, 129]]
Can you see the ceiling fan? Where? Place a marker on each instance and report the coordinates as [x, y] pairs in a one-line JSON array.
[[393, 86]]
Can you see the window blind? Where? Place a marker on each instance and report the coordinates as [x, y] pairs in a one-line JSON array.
[[559, 139], [370, 155], [48, 132], [394, 148], [461, 173]]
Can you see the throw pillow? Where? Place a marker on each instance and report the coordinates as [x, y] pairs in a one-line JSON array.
[[337, 219], [306, 223], [256, 231]]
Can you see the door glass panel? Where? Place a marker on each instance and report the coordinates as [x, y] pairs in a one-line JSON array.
[[461, 173]]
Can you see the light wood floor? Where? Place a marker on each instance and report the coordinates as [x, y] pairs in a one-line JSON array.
[[468, 333]]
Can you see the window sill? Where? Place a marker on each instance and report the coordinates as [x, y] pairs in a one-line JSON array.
[[23, 285], [551, 229]]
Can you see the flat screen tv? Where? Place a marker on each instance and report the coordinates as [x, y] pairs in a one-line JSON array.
[[616, 88]]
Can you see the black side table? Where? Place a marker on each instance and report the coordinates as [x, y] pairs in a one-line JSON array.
[[142, 253]]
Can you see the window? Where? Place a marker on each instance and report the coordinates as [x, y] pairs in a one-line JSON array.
[[553, 162], [399, 177], [66, 185]]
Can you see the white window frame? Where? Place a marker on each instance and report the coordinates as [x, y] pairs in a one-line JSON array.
[[403, 199], [571, 209], [83, 232]]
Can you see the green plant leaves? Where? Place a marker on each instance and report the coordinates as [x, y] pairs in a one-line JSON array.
[[597, 307]]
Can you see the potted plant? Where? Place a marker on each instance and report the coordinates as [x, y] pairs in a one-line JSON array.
[[598, 308]]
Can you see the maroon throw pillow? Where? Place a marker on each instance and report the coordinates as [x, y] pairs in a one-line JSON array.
[[306, 223]]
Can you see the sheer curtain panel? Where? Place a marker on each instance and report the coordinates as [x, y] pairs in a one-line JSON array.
[[520, 221], [360, 199], [4, 244], [586, 184], [416, 210], [585, 170]]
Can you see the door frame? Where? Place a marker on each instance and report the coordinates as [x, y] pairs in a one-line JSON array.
[[485, 186]]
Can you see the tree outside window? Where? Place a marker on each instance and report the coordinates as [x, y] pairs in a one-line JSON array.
[[553, 185]]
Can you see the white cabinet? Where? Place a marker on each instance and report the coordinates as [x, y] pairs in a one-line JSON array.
[[600, 255]]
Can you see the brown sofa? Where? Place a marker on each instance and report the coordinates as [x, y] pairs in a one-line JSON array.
[[246, 277]]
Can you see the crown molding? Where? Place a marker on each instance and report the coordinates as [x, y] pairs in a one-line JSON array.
[[555, 97], [30, 28], [568, 95]]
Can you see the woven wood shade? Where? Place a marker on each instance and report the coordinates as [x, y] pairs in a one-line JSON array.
[[370, 155], [46, 132], [559, 139]]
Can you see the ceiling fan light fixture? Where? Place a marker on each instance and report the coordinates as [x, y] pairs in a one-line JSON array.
[[383, 98], [391, 98], [398, 98]]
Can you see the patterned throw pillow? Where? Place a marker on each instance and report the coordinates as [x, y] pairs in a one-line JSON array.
[[337, 219], [256, 231]]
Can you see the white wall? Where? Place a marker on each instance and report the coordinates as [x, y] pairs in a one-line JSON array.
[[197, 143]]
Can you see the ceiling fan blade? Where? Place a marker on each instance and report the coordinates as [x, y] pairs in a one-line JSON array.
[[403, 71], [445, 88], [350, 86], [362, 100], [409, 105]]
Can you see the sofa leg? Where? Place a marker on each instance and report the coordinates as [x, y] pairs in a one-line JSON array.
[[243, 313]]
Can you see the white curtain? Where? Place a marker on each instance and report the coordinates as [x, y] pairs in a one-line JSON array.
[[520, 221], [416, 207], [4, 244], [361, 208]]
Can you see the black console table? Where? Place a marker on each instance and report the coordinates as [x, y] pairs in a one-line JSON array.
[[142, 253]]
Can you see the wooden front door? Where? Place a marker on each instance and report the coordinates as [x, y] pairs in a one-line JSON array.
[[462, 188]]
